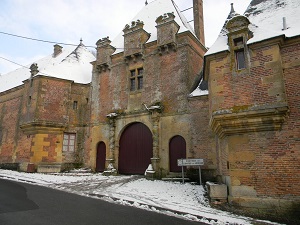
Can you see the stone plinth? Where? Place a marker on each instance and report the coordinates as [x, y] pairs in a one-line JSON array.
[[217, 191]]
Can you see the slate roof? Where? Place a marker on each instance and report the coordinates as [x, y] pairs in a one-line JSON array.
[[266, 17], [148, 14], [73, 63]]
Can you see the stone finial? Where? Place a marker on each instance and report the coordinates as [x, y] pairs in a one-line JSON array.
[[135, 25], [34, 69], [232, 9], [103, 42], [167, 17]]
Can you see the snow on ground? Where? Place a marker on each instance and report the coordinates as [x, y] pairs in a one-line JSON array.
[[187, 200]]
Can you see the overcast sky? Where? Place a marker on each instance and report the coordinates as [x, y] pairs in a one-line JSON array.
[[67, 21]]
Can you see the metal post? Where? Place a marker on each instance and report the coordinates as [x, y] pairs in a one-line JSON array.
[[182, 171], [200, 181]]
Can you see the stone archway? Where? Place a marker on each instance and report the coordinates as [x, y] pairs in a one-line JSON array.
[[136, 149]]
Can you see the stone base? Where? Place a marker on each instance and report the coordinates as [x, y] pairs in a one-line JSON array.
[[49, 168], [112, 172], [268, 207], [9, 166], [217, 192]]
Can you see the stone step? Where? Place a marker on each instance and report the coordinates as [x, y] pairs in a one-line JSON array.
[[174, 175], [175, 179]]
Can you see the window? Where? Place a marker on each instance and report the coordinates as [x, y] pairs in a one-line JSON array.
[[238, 41], [69, 142], [240, 59], [239, 52], [75, 105], [29, 100], [136, 79]]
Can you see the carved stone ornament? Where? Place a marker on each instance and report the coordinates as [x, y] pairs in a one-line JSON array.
[[237, 23]]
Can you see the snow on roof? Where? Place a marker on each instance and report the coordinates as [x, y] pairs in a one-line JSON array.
[[148, 15], [266, 17], [71, 64]]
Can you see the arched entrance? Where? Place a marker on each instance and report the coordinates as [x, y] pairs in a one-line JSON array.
[[101, 156], [135, 151], [177, 150]]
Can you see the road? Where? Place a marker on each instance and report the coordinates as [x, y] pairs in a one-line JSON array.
[[27, 204]]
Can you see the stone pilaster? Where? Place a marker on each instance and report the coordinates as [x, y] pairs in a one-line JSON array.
[[112, 131], [155, 116]]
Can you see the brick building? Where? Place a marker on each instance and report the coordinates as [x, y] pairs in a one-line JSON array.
[[144, 101], [142, 111], [254, 105], [44, 109]]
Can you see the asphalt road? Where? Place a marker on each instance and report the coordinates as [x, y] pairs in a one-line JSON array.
[[25, 204]]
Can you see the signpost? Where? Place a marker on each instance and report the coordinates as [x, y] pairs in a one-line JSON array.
[[190, 162]]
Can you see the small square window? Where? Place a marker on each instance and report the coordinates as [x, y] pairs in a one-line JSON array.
[[140, 71], [238, 41], [132, 73]]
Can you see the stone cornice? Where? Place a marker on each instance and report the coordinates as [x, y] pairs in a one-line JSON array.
[[42, 127], [226, 123]]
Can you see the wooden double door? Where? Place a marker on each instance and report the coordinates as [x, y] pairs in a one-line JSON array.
[[135, 149]]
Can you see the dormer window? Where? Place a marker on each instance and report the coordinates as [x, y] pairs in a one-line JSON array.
[[239, 53], [238, 35]]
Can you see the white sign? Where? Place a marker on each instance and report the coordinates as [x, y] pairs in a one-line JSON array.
[[190, 162]]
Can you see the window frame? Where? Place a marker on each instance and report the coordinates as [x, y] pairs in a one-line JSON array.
[[69, 146], [136, 79], [240, 58]]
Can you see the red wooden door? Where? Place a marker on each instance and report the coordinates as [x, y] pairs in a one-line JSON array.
[[135, 151], [101, 156], [177, 150]]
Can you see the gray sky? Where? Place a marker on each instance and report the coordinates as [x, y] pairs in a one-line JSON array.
[[67, 21]]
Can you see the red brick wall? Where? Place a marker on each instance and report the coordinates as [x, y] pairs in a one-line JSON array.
[[10, 104], [53, 100], [167, 78]]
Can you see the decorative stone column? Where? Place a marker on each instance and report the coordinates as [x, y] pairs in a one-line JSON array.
[[112, 131], [155, 116]]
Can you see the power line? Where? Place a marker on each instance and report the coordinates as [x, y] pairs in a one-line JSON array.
[[41, 73], [186, 9], [53, 42], [14, 62], [40, 40]]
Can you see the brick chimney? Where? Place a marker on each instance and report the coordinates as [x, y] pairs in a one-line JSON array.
[[57, 50], [198, 20]]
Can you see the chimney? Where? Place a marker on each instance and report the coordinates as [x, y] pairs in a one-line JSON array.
[[198, 20], [57, 50]]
